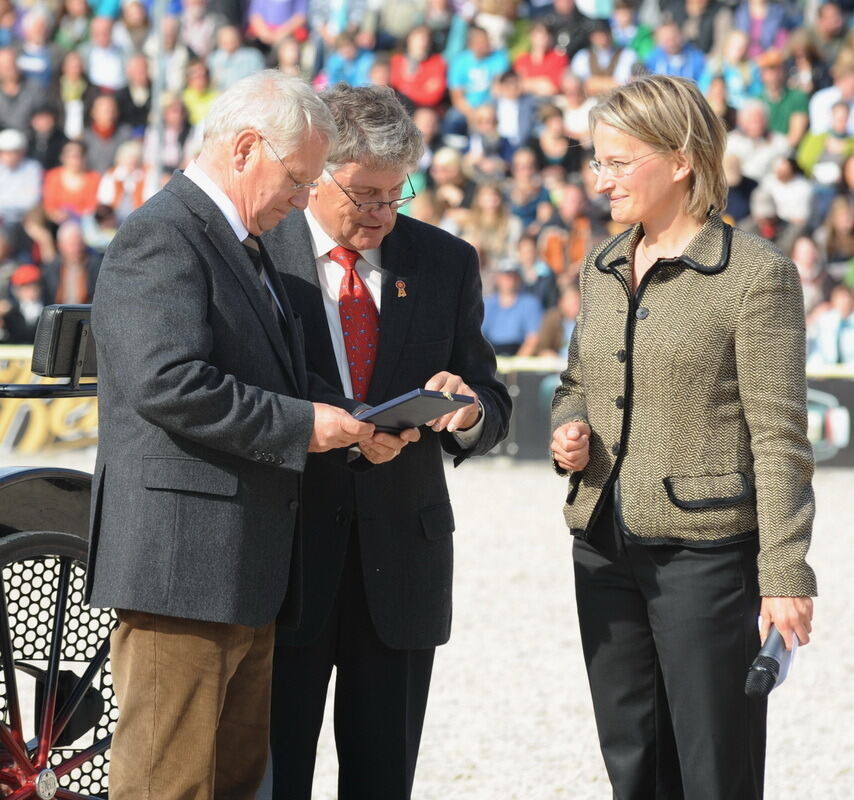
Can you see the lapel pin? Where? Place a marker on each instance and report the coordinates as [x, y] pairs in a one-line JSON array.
[[401, 288]]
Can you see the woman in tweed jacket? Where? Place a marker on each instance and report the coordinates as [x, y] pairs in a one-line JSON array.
[[681, 420]]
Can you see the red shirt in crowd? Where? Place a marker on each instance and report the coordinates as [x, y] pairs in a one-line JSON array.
[[423, 83], [57, 196], [551, 66]]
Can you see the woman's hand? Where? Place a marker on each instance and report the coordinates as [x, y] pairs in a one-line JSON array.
[[790, 615], [571, 445]]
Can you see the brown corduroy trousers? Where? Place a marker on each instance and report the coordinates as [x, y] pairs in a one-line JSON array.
[[194, 708]]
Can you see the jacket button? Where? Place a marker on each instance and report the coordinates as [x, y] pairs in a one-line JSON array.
[[340, 517], [619, 402], [621, 356], [293, 505], [642, 313], [615, 448]]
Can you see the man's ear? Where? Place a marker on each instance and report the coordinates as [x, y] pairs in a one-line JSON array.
[[245, 145]]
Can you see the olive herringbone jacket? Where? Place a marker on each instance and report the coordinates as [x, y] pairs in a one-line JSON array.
[[695, 393]]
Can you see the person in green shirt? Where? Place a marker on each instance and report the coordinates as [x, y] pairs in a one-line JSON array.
[[787, 108], [822, 157], [829, 148], [628, 32]]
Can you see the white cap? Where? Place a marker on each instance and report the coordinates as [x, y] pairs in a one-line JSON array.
[[12, 139]]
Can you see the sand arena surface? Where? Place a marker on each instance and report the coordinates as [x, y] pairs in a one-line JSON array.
[[509, 716]]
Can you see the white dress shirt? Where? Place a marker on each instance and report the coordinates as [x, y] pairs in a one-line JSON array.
[[221, 200], [329, 274]]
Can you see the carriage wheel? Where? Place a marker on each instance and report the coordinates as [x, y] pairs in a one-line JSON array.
[[57, 708]]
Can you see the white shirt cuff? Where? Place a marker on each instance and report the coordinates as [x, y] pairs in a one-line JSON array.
[[469, 438]]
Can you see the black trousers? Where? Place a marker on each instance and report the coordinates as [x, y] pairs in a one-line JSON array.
[[380, 701], [668, 634]]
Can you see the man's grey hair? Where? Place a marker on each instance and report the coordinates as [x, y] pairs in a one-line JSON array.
[[374, 129], [753, 105], [36, 14], [283, 109]]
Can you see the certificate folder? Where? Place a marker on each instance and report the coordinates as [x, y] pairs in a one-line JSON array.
[[412, 409]]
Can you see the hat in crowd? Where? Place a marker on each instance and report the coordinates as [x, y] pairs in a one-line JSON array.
[[45, 108], [26, 273], [770, 58], [507, 265], [599, 26], [12, 139]]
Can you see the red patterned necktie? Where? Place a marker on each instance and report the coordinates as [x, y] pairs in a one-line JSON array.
[[360, 322]]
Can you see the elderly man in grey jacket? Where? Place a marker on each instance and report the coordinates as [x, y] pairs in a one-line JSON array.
[[205, 423]]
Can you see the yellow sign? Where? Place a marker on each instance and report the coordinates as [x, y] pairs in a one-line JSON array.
[[30, 425]]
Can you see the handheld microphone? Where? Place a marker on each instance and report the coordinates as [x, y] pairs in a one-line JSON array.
[[771, 666]]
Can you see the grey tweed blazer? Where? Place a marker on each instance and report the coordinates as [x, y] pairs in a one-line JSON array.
[[204, 424], [695, 391]]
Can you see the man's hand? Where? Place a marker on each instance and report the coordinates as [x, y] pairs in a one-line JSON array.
[[790, 615], [382, 447], [462, 418], [571, 445], [334, 427]]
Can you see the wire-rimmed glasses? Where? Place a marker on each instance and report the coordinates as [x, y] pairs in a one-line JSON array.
[[617, 169], [297, 186], [375, 205]]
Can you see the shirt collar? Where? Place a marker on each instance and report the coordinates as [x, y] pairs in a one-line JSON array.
[[708, 252], [195, 173], [322, 243]]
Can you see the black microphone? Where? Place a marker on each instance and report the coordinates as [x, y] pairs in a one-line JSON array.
[[770, 667]]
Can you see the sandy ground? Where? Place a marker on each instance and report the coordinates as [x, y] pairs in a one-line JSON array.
[[509, 716]]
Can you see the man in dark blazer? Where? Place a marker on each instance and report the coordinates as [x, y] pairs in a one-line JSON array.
[[377, 552], [205, 423]]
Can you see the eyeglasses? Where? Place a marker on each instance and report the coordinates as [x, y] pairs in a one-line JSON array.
[[297, 186], [376, 205], [617, 169]]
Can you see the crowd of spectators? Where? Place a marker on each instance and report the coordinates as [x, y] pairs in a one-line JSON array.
[[500, 90]]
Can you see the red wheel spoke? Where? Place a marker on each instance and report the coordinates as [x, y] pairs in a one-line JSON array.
[[52, 677], [10, 680], [19, 755], [44, 599], [26, 791]]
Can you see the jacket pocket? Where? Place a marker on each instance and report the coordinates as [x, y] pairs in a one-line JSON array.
[[691, 492], [437, 521], [180, 474]]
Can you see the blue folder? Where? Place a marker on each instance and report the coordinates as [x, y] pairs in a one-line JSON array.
[[412, 409]]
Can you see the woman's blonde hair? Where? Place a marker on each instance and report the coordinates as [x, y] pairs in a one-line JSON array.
[[672, 116]]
